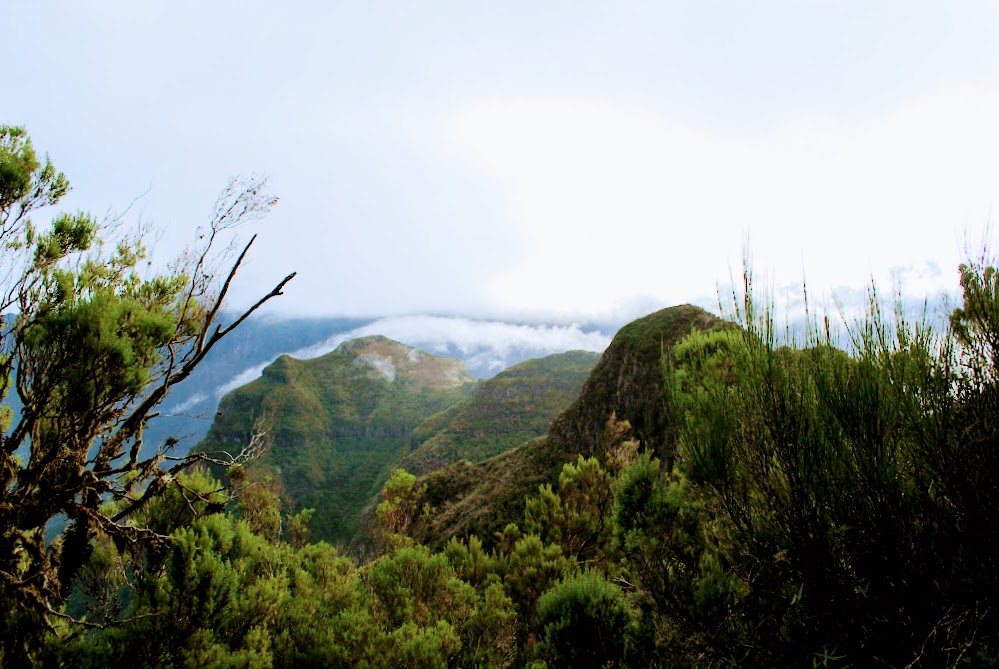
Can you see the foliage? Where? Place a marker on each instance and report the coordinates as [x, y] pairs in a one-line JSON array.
[[828, 505], [483, 498], [672, 556], [92, 349], [628, 384], [529, 569], [587, 623], [396, 510], [626, 387], [577, 517]]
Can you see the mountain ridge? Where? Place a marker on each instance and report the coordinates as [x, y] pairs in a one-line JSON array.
[[512, 407], [626, 385], [335, 421]]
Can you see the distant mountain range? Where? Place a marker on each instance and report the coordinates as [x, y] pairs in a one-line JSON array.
[[486, 347]]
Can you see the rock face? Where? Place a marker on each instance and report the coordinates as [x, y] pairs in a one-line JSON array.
[[340, 423], [514, 406], [627, 382]]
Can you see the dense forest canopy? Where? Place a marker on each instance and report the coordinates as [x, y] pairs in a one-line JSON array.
[[791, 504]]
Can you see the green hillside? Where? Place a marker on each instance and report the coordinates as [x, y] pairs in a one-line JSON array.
[[340, 422], [626, 383], [513, 407]]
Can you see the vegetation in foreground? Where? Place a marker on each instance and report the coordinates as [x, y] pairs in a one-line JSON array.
[[816, 508]]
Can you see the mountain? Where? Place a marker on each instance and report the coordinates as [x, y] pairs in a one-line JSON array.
[[627, 383], [191, 405], [514, 406], [343, 421], [339, 423], [486, 347]]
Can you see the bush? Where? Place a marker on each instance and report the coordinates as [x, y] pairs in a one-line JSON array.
[[587, 623], [844, 500]]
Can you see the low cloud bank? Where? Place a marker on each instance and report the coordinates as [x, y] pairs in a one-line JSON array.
[[191, 402]]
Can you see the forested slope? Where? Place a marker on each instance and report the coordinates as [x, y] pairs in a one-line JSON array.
[[338, 424], [626, 386], [507, 410]]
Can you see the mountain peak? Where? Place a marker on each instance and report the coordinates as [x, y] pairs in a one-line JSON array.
[[391, 360]]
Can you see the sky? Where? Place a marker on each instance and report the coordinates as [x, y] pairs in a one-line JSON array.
[[553, 162]]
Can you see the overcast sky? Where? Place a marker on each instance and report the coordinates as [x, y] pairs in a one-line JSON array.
[[538, 160]]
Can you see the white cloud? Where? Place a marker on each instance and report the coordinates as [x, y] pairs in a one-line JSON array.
[[383, 366], [616, 201], [189, 403], [468, 336], [241, 379]]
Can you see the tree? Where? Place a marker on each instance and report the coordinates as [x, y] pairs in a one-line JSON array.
[[396, 510], [91, 346], [577, 517]]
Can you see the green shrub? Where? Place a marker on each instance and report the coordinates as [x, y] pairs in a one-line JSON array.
[[587, 623]]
